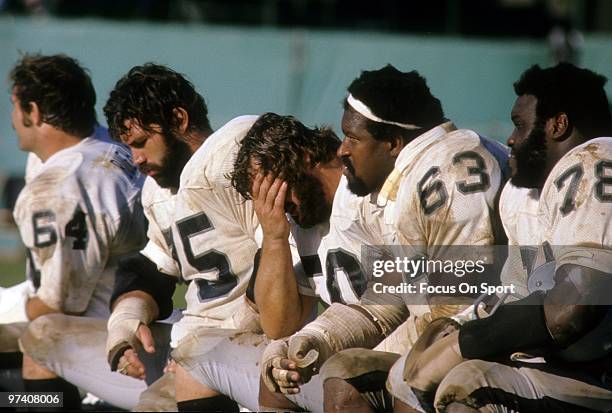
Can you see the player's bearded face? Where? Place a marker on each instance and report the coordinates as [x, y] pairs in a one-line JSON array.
[[529, 158], [355, 184], [168, 172], [311, 208]]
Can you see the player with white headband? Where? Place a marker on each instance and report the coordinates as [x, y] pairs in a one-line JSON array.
[[396, 140]]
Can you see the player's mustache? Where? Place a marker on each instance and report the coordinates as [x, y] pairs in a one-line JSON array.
[[148, 169], [349, 165]]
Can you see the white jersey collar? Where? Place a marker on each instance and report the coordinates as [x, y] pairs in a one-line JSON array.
[[407, 156]]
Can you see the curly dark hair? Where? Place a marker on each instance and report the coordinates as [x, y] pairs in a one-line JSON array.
[[398, 97], [281, 145], [566, 88], [60, 87], [149, 94]]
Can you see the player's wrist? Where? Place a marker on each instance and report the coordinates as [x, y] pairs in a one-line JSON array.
[[128, 314], [276, 241]]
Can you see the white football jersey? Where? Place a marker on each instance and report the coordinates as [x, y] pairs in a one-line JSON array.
[[331, 253], [576, 206], [518, 209], [443, 190], [206, 233], [77, 215], [33, 162], [355, 222]]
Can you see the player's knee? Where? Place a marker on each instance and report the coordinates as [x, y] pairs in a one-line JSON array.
[[159, 396], [358, 379], [42, 336], [462, 381], [341, 396], [395, 381], [459, 408], [33, 371], [275, 401], [358, 362], [188, 388]]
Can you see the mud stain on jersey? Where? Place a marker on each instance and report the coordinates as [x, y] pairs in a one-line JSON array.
[[102, 161]]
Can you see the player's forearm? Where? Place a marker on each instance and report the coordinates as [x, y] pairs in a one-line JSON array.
[[35, 307], [147, 300], [548, 321], [577, 303], [342, 326], [276, 293], [130, 310]]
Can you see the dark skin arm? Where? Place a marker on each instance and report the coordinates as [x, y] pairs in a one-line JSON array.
[[576, 303], [570, 313]]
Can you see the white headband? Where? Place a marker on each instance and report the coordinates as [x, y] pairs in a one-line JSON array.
[[361, 107]]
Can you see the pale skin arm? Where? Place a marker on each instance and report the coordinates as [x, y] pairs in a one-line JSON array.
[[135, 367], [35, 307], [282, 308]]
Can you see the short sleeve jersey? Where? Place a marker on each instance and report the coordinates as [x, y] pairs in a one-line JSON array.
[[332, 253], [443, 191], [576, 206], [79, 212], [206, 233], [519, 209]]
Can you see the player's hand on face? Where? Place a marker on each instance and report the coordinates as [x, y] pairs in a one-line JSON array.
[[269, 194], [129, 363]]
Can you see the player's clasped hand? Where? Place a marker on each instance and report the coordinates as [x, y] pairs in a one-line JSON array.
[[285, 375], [269, 194], [285, 366], [129, 363], [278, 372]]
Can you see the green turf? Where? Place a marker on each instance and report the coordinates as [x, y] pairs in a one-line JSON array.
[[12, 271]]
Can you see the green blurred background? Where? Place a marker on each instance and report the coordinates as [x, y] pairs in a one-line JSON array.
[[297, 57]]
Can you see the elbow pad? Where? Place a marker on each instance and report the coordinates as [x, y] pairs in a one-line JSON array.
[[520, 326], [137, 273]]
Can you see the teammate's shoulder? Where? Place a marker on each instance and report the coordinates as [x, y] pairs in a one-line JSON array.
[[569, 182], [514, 200], [239, 122], [152, 193], [593, 150], [230, 133], [217, 152], [345, 201], [443, 150], [466, 140], [57, 176]]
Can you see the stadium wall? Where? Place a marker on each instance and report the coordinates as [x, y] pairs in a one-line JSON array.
[[252, 70]]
